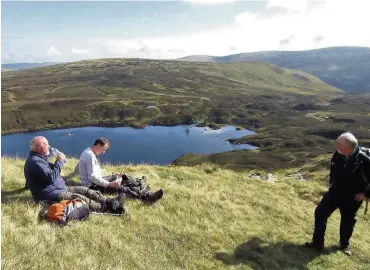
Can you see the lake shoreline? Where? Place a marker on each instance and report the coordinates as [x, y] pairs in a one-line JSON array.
[[111, 125]]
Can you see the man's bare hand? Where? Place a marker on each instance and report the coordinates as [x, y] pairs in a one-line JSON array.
[[61, 157], [118, 180], [360, 197], [114, 184]]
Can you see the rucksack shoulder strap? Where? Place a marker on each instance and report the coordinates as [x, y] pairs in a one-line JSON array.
[[365, 151], [364, 156]]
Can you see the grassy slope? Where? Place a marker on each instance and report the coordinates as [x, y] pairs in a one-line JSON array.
[[206, 216], [117, 91]]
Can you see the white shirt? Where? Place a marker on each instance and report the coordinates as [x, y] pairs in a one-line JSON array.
[[90, 170]]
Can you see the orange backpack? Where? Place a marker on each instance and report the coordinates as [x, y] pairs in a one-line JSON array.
[[64, 211]]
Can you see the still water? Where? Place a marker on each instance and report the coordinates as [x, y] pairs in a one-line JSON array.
[[153, 144]]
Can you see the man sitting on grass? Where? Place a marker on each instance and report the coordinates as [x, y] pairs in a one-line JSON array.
[[46, 184], [91, 176]]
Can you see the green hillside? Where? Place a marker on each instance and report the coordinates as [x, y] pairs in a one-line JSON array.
[[296, 116], [119, 91], [209, 218]]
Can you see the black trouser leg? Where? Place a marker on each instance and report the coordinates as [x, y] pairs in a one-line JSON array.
[[91, 194], [121, 190], [329, 203], [105, 190], [348, 209], [130, 191], [95, 200]]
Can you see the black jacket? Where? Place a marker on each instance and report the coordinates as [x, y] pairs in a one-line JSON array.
[[351, 176]]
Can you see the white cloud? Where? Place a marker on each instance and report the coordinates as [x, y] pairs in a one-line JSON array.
[[52, 51], [338, 23], [209, 2], [77, 51], [291, 5], [245, 18], [332, 23]]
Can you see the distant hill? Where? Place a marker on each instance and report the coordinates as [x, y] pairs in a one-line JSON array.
[[93, 90], [198, 58], [346, 68], [19, 66]]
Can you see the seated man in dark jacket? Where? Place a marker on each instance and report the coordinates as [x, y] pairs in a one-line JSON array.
[[349, 186], [46, 184]]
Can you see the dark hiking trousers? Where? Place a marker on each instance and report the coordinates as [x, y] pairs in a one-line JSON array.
[[94, 199], [348, 208], [132, 187]]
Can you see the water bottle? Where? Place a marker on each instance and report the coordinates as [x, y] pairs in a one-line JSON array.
[[55, 152]]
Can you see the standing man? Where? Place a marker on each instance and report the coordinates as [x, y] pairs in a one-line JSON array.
[[349, 186], [91, 176], [46, 184]]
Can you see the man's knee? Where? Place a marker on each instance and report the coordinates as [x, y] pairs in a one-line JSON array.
[[77, 189], [73, 196], [321, 212], [349, 219], [84, 191], [93, 192]]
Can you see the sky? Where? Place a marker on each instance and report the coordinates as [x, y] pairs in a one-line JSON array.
[[60, 31]]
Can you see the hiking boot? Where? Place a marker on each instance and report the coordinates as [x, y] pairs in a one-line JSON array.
[[345, 250], [155, 196], [116, 205], [314, 246]]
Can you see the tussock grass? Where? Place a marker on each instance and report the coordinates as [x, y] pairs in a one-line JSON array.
[[209, 218]]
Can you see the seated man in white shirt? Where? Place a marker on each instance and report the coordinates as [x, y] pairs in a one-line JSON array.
[[91, 176]]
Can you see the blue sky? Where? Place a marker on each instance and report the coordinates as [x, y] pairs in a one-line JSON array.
[[68, 31]]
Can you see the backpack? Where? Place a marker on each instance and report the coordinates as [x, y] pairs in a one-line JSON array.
[[64, 211], [366, 152]]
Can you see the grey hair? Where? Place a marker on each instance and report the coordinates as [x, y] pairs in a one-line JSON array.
[[350, 139], [35, 142]]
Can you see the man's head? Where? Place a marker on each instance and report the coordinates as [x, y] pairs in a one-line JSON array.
[[346, 144], [100, 146], [40, 145]]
